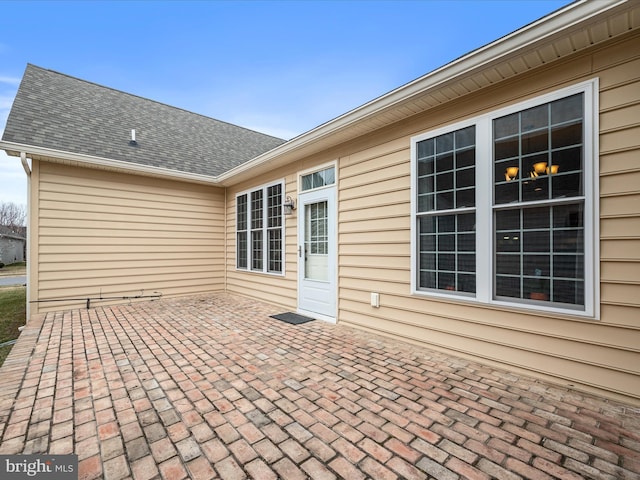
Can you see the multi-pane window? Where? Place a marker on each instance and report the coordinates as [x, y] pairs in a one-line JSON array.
[[504, 205], [319, 179], [256, 213], [274, 228], [539, 253], [241, 232], [317, 229], [259, 230], [539, 164], [445, 211]]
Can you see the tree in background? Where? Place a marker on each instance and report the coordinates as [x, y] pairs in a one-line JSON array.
[[13, 216]]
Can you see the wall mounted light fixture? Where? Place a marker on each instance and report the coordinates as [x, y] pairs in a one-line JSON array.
[[289, 205]]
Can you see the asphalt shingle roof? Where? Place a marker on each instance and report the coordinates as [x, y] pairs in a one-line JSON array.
[[56, 111], [13, 233]]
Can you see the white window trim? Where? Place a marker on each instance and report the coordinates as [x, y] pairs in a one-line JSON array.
[[318, 168], [265, 237], [484, 205]]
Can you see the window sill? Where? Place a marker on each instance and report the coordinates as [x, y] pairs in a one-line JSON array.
[[258, 272]]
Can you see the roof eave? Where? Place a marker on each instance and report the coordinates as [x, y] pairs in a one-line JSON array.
[[14, 149]]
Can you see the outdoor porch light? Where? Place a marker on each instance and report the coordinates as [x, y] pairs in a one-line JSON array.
[[289, 205]]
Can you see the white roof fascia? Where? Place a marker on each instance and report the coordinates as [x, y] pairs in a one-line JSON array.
[[108, 163], [551, 24]]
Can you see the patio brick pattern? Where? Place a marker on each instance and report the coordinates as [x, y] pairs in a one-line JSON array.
[[211, 387]]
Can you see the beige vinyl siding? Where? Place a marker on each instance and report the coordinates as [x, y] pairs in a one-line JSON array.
[[279, 289], [374, 225], [374, 242], [619, 187], [111, 234]]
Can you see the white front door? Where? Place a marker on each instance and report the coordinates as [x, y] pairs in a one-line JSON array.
[[317, 253]]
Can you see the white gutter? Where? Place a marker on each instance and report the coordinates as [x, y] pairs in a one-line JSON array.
[[105, 162], [27, 170], [25, 164], [553, 23]]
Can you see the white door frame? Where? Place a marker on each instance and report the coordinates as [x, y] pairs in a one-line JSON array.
[[329, 312]]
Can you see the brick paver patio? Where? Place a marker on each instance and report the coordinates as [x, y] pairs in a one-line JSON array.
[[211, 387]]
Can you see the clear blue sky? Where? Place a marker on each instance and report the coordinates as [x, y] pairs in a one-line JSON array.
[[277, 67]]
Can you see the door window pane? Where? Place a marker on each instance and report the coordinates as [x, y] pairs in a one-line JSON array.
[[316, 241]]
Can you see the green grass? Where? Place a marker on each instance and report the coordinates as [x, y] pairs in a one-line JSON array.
[[13, 314]]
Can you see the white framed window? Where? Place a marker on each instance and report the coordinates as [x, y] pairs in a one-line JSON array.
[[446, 200], [504, 206], [318, 179], [259, 229]]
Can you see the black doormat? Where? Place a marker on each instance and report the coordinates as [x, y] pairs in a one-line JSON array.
[[293, 318]]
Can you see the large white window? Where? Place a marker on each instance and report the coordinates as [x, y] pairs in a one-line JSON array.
[[259, 229], [504, 205], [446, 211]]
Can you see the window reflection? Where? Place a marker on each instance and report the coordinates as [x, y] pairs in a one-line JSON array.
[[538, 153]]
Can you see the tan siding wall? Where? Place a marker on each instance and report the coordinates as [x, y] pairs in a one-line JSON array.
[[374, 236], [619, 187], [121, 235]]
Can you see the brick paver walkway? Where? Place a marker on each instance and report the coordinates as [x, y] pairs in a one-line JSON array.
[[211, 387]]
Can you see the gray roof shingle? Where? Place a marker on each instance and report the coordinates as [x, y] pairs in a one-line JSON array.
[[18, 233], [56, 111]]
